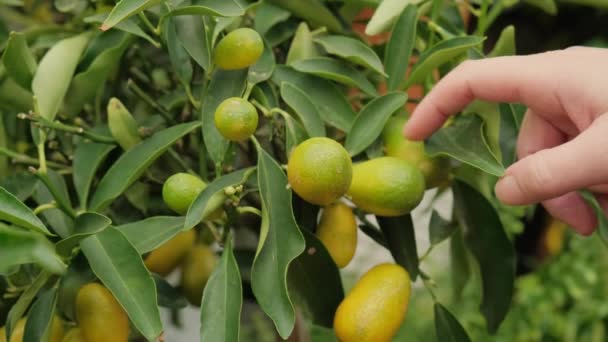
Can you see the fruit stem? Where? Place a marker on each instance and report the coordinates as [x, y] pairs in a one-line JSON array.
[[148, 100], [147, 23], [25, 159], [61, 204], [43, 207], [248, 209]]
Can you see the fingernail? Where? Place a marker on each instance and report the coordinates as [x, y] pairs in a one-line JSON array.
[[508, 191]]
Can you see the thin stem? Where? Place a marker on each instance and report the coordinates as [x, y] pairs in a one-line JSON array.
[[147, 23], [43, 207], [265, 111], [426, 254], [148, 100], [248, 90], [213, 230], [182, 163], [250, 210], [483, 12], [61, 204], [25, 159], [320, 30], [427, 281], [41, 159]]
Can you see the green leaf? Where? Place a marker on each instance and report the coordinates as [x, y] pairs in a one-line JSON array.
[[224, 84], [443, 52], [87, 159], [311, 11], [128, 25], [267, 16], [168, 296], [78, 275], [148, 234], [487, 240], [263, 68], [549, 6], [86, 84], [18, 60], [602, 227], [180, 59], [353, 50], [400, 46], [216, 8], [125, 9], [132, 164], [24, 301], [505, 45], [335, 70], [222, 300], [439, 229], [322, 334], [85, 225], [18, 247], [13, 97], [54, 74], [294, 134], [459, 264], [56, 218], [386, 14], [464, 140], [14, 211], [371, 121], [304, 108], [312, 273], [447, 327], [302, 45], [401, 238], [280, 243], [331, 104], [508, 134], [40, 318], [21, 184], [199, 209], [120, 268], [192, 34]]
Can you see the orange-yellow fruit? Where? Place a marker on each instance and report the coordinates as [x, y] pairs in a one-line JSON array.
[[338, 232], [100, 316], [239, 49], [375, 308], [196, 270], [19, 330], [169, 255], [74, 335], [320, 170]]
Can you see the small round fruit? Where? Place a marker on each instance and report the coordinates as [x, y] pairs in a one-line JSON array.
[[236, 119], [375, 308], [239, 49], [436, 170], [181, 189], [100, 316], [338, 232], [169, 255], [19, 331], [196, 270], [386, 186], [320, 170], [74, 335]]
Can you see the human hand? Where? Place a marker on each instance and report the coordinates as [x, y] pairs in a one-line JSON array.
[[563, 142]]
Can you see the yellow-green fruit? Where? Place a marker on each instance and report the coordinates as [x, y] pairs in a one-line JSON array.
[[375, 308], [19, 330], [320, 170], [338, 232], [122, 125], [239, 49], [436, 170], [74, 335], [236, 119], [169, 255], [181, 189], [197, 268], [100, 316], [386, 186]]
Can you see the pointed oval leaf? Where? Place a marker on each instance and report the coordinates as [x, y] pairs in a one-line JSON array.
[[87, 159], [487, 240], [192, 33], [56, 218], [294, 134], [222, 300], [180, 59], [335, 70], [168, 296], [146, 235], [401, 239], [385, 15], [216, 8], [371, 121], [602, 227], [443, 52], [331, 104], [400, 46], [21, 184], [509, 131], [439, 229], [263, 68], [40, 317], [459, 264], [54, 74], [447, 327], [24, 301], [302, 45], [128, 25], [314, 272], [132, 164], [267, 16], [353, 50], [121, 269], [280, 243], [18, 247], [549, 6], [312, 11], [18, 60], [464, 140], [505, 44], [304, 108], [125, 9], [85, 225], [14, 211], [224, 84]]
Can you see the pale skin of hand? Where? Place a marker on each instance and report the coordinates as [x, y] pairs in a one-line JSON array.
[[563, 142]]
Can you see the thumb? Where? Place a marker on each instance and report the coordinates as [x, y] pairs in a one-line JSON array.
[[575, 165]]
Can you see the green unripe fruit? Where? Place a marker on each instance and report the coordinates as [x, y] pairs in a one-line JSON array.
[[236, 119], [239, 49]]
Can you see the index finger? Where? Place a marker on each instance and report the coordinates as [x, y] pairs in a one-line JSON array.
[[531, 80]]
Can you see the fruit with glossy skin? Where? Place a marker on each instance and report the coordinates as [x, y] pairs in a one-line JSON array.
[[338, 232], [169, 255], [375, 308], [100, 316], [386, 186], [239, 49], [236, 119], [19, 330], [196, 270], [320, 170], [181, 189], [436, 170], [74, 335]]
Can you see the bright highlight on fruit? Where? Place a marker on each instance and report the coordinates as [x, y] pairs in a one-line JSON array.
[[100, 316], [239, 49]]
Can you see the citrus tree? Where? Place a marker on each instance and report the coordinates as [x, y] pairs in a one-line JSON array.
[[245, 143]]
